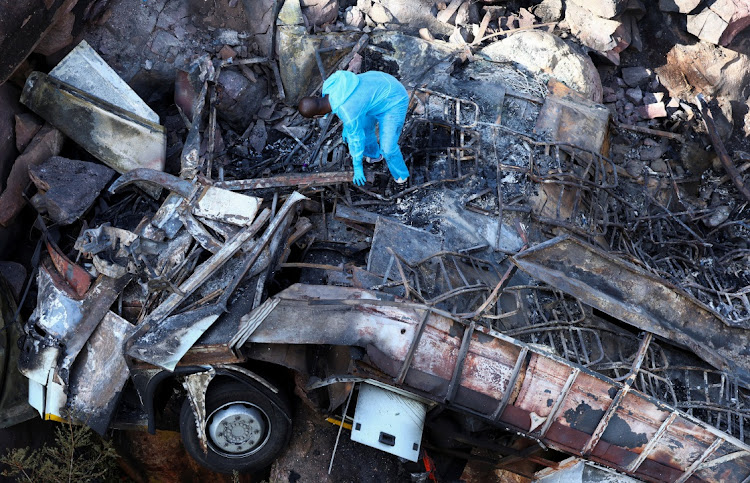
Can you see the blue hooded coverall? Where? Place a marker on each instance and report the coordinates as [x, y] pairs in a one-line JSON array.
[[361, 100]]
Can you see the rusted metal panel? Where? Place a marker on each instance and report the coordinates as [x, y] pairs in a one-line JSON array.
[[713, 469], [636, 297], [78, 278], [290, 180], [118, 138], [575, 397], [570, 118]]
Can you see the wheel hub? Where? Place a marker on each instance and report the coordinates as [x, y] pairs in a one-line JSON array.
[[236, 429]]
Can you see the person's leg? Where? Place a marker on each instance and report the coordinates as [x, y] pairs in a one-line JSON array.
[[391, 124], [372, 149]]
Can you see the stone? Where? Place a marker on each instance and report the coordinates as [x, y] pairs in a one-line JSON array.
[[258, 136], [354, 17], [320, 12], [59, 36], [707, 25], [364, 5], [27, 125], [296, 55], [653, 97], [538, 52], [416, 14], [601, 8], [660, 166], [720, 22], [635, 76], [650, 153], [705, 68], [248, 73], [69, 187], [526, 18], [46, 143], [719, 216], [635, 95], [290, 13], [651, 111], [379, 14], [548, 11], [740, 21], [163, 41], [635, 168], [593, 31], [426, 34], [227, 52], [681, 6], [239, 98]]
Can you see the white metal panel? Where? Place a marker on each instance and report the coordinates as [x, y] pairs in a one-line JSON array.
[[389, 422]]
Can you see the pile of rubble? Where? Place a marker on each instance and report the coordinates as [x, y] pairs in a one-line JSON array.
[[566, 270]]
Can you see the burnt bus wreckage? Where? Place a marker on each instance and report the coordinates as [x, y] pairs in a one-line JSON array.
[[518, 296]]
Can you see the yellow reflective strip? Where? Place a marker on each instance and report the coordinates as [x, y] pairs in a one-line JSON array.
[[338, 423]]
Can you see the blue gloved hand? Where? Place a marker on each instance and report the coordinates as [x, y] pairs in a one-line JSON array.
[[359, 176]]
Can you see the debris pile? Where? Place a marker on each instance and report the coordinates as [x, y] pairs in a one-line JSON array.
[[565, 271]]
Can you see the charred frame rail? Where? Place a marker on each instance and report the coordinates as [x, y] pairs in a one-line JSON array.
[[643, 436], [637, 297], [289, 180]]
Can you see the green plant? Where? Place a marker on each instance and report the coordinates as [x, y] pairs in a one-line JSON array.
[[77, 455]]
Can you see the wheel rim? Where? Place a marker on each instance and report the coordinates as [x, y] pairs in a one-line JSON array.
[[238, 429]]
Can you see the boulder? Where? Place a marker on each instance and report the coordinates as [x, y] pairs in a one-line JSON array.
[[635, 95], [354, 17], [68, 187], [379, 14], [548, 10], [320, 12], [413, 15], [239, 99], [720, 22], [27, 125], [592, 30], [542, 52], [295, 50], [601, 8], [635, 76]]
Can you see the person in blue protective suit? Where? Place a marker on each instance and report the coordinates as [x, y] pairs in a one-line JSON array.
[[361, 101]]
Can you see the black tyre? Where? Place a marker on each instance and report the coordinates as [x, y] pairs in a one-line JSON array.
[[246, 427]]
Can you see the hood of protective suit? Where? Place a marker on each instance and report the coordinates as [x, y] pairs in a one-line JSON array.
[[339, 87]]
